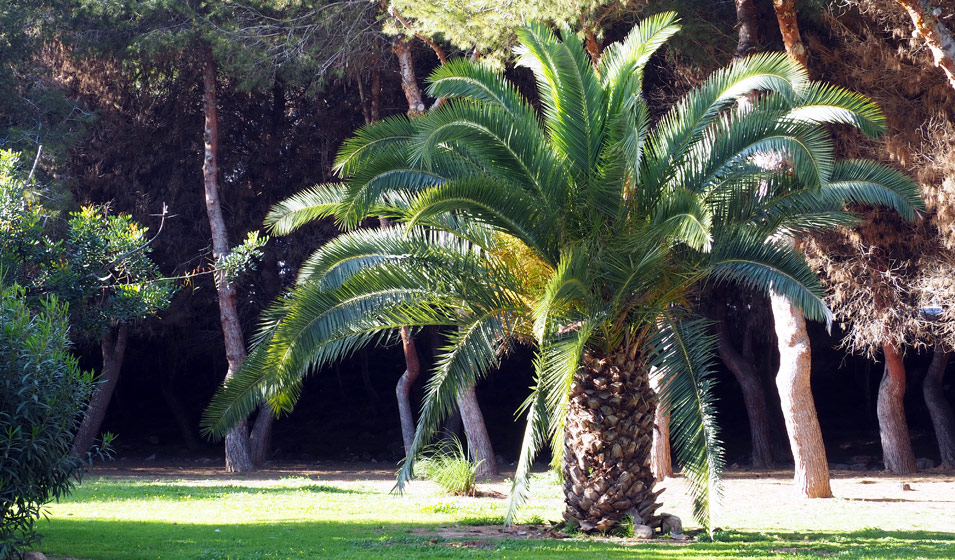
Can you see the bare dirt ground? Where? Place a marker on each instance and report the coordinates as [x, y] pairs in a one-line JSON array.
[[757, 500]]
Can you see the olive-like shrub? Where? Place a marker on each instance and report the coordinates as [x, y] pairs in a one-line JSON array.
[[43, 394]]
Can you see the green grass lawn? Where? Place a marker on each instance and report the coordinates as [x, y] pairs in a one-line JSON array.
[[118, 519]]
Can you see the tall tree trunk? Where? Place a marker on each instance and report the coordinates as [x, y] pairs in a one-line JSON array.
[[795, 395], [409, 82], [747, 24], [754, 398], [943, 419], [938, 38], [113, 348], [403, 389], [788, 26], [479, 442], [238, 456], [608, 438], [260, 439], [893, 430], [661, 461]]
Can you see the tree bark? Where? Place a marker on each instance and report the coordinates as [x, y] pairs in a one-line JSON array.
[[747, 24], [403, 388], [811, 478], [661, 461], [479, 442], [943, 419], [113, 348], [788, 26], [260, 439], [608, 439], [238, 456], [937, 37], [754, 398], [409, 82], [897, 451]]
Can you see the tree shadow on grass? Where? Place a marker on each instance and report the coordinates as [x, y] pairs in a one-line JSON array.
[[95, 539]]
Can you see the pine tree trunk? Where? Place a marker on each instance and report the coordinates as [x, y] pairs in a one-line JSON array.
[[938, 38], [893, 430], [811, 478], [754, 398], [788, 26], [403, 389], [479, 442], [113, 348], [747, 24], [409, 82], [943, 419], [238, 456], [608, 439], [260, 439]]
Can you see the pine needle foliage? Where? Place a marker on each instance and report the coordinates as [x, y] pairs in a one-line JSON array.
[[581, 229]]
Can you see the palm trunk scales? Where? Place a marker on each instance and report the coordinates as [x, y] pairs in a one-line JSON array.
[[608, 437]]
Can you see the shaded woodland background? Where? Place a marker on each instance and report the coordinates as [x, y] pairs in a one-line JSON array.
[[130, 135]]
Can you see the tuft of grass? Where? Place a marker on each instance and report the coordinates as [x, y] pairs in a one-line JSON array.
[[446, 463]]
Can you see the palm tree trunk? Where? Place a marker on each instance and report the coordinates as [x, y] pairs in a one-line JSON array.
[[897, 451], [811, 478], [609, 433], [238, 456], [113, 348], [479, 442], [754, 398], [943, 419]]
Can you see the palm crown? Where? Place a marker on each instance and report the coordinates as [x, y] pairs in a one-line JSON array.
[[581, 230]]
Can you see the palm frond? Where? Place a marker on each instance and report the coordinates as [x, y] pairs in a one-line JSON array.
[[535, 438], [463, 78], [568, 282], [747, 258], [872, 183], [309, 205], [487, 133], [683, 362], [821, 103], [622, 64], [371, 140], [497, 204], [572, 96]]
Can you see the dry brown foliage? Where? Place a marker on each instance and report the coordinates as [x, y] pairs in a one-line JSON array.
[[883, 273]]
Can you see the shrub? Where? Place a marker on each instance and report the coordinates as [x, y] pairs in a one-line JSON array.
[[42, 395], [447, 465]]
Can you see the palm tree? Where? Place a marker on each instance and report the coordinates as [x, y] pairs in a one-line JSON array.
[[582, 231]]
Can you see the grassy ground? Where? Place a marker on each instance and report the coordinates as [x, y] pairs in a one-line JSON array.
[[146, 516]]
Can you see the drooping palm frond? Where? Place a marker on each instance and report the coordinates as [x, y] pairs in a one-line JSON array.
[[872, 183], [304, 207], [749, 259], [683, 362]]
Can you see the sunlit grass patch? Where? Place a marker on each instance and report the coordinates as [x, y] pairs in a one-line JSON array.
[[127, 519]]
